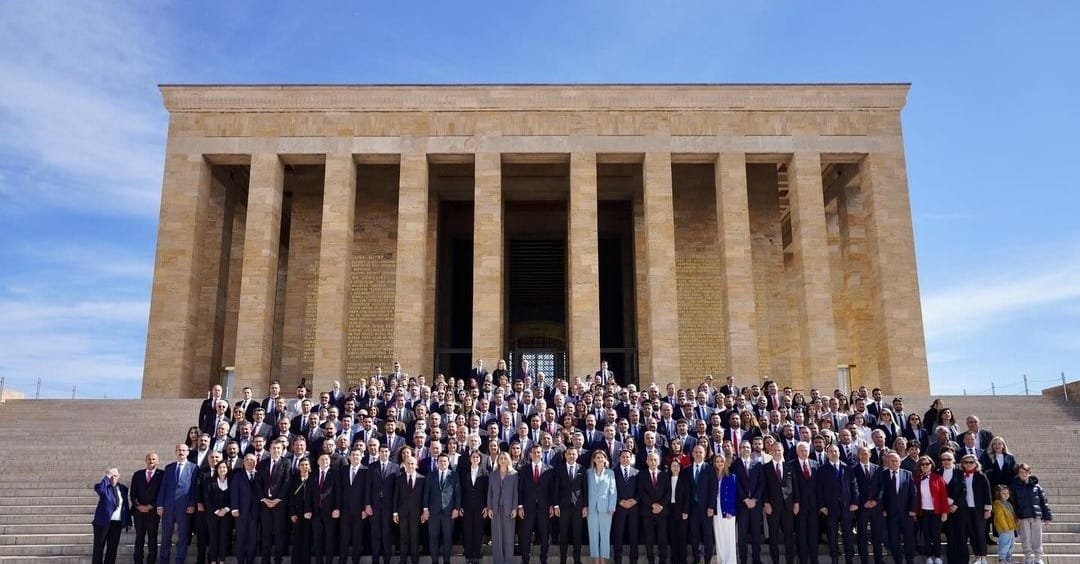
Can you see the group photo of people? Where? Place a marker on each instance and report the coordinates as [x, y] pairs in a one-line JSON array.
[[517, 467]]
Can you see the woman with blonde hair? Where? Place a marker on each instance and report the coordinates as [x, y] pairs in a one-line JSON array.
[[600, 488], [724, 527], [502, 502], [974, 508]]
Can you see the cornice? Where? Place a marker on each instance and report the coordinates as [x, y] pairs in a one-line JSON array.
[[546, 97]]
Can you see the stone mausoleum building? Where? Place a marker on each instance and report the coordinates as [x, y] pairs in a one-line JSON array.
[[314, 232]]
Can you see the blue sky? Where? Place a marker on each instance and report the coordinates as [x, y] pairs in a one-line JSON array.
[[990, 129]]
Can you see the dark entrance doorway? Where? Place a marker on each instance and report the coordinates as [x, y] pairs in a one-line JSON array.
[[616, 280], [536, 286]]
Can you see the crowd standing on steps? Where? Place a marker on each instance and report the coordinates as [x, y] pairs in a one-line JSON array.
[[397, 465]]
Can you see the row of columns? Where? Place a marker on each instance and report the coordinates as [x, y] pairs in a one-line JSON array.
[[183, 210]]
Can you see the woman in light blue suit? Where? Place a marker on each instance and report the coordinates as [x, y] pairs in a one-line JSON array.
[[502, 502], [601, 493]]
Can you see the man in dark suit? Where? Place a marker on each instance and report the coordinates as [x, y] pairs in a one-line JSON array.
[[838, 497], [899, 502], [144, 489], [408, 509], [244, 502], [804, 488], [779, 500], [729, 388], [479, 373], [381, 492], [272, 484], [208, 410], [248, 403], [750, 495], [176, 503], [702, 505], [654, 494], [868, 518], [982, 436], [353, 479], [570, 501], [325, 504], [536, 503], [624, 524], [442, 504], [523, 371], [110, 516]]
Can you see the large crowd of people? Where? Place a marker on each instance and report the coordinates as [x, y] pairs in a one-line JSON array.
[[574, 468]]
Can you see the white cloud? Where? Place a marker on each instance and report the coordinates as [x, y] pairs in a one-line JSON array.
[[991, 299], [82, 120]]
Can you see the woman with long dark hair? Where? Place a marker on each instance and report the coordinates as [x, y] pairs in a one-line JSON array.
[[300, 489], [473, 479], [216, 499]]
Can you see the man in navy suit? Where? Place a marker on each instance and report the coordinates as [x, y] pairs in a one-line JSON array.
[[804, 489], [176, 503], [408, 509], [382, 488], [624, 524], [750, 493], [243, 500], [654, 493], [325, 505], [110, 516], [442, 502], [144, 490], [702, 505], [899, 501], [536, 503], [838, 497], [779, 499], [353, 506], [272, 486], [570, 496], [868, 517]]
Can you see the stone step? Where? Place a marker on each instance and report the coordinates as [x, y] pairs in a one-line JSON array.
[[50, 501], [47, 518], [46, 509], [45, 528]]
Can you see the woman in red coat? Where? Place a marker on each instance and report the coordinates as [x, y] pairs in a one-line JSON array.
[[933, 507]]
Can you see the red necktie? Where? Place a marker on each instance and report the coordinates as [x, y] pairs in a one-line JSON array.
[[779, 474], [806, 470], [536, 474], [654, 478]]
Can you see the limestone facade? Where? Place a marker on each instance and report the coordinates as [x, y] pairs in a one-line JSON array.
[[304, 230]]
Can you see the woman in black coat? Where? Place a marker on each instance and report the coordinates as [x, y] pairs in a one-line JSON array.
[[473, 478], [300, 491], [216, 499]]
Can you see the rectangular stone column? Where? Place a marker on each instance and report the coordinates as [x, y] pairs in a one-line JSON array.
[[583, 274], [170, 341], [411, 279], [733, 221], [488, 328], [901, 345], [258, 285], [335, 272], [663, 332], [813, 282]]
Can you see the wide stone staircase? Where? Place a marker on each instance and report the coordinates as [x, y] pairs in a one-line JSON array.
[[52, 451]]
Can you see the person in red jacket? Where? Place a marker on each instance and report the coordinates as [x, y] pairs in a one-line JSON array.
[[933, 507]]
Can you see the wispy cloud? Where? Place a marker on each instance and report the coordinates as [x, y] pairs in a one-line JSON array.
[[992, 298], [83, 127]]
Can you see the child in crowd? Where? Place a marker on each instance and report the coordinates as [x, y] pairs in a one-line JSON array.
[[1005, 523]]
